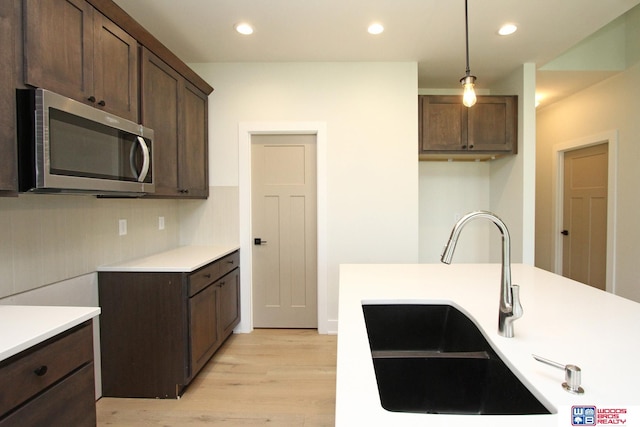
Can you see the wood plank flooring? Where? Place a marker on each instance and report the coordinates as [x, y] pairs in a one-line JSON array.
[[275, 377]]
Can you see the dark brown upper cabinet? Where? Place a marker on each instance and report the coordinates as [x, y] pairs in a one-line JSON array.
[[177, 112], [448, 129], [94, 52], [10, 46], [73, 50]]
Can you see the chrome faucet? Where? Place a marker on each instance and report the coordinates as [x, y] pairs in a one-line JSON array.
[[510, 307]]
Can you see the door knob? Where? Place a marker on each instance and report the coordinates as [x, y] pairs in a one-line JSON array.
[[565, 232], [258, 241]]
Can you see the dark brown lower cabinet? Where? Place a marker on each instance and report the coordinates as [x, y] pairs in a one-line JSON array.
[[51, 384], [158, 329]]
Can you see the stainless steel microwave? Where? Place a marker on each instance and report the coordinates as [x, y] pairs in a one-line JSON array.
[[65, 146]]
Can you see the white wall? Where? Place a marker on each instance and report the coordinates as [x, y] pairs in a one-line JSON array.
[[513, 178], [449, 190], [370, 112], [610, 106]]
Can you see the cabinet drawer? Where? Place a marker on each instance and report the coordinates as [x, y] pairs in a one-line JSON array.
[[28, 373], [229, 262], [203, 277], [212, 272], [70, 402]]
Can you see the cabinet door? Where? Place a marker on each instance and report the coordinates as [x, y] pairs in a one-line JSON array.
[[8, 45], [229, 302], [160, 109], [493, 124], [193, 177], [443, 124], [115, 69], [177, 113], [59, 46], [203, 326]]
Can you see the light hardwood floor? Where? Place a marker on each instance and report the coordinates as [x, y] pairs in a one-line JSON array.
[[275, 377]]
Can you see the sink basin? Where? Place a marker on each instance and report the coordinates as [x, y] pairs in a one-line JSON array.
[[434, 359]]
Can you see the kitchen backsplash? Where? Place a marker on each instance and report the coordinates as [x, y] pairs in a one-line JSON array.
[[49, 238]]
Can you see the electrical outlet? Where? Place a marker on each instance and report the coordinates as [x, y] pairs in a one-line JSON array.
[[122, 227], [160, 223]]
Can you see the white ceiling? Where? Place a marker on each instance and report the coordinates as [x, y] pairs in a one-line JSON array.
[[430, 32]]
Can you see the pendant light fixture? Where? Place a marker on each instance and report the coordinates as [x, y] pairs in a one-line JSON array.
[[468, 81]]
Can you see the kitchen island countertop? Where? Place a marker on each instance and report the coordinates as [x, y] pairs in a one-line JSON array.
[[563, 320], [183, 259]]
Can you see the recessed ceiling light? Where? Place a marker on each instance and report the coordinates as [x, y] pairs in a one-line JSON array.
[[244, 28], [507, 29], [375, 28]]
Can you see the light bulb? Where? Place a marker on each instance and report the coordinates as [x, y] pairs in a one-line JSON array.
[[507, 29], [244, 28], [375, 28], [469, 95]]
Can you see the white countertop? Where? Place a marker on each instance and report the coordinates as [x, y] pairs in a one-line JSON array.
[[25, 326], [183, 259], [563, 320]]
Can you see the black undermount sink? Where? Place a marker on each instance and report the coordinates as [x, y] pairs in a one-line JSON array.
[[434, 359]]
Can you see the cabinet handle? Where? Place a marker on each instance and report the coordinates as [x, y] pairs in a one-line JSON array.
[[221, 284], [102, 103], [464, 147], [470, 146], [41, 370], [230, 262], [208, 275], [91, 98]]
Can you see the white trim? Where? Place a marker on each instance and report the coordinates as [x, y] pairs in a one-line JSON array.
[[557, 165], [245, 130]]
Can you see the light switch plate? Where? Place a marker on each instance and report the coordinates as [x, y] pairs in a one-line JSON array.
[[160, 223], [122, 227]]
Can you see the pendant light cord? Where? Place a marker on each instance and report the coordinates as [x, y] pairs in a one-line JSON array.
[[466, 31]]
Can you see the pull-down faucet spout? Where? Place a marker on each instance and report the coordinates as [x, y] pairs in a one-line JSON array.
[[510, 307]]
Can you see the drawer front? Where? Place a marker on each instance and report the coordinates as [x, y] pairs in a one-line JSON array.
[[212, 272], [203, 277], [30, 372], [229, 262], [70, 402]]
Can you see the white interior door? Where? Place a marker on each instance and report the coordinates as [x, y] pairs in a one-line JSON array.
[[283, 216], [584, 249]]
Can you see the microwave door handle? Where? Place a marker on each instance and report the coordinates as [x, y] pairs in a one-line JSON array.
[[132, 161], [145, 162]]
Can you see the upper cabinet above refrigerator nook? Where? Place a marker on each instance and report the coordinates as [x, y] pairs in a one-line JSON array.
[[449, 130]]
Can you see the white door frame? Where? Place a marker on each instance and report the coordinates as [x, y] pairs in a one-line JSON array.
[[557, 165], [245, 130]]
